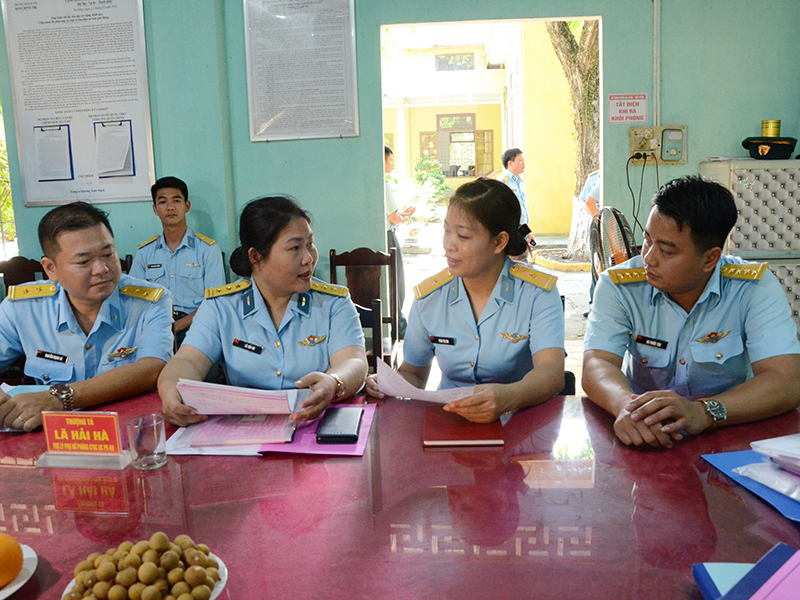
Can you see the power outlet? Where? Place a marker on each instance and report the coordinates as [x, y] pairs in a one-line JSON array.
[[663, 144]]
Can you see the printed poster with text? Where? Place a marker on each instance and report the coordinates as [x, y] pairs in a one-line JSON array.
[[81, 105]]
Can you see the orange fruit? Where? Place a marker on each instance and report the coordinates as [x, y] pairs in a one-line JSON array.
[[10, 559]]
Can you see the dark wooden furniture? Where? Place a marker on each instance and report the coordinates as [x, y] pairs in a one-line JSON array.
[[126, 263], [19, 270], [372, 322], [363, 268]]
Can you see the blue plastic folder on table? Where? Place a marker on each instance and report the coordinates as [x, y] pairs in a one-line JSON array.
[[750, 586], [716, 579], [728, 461]]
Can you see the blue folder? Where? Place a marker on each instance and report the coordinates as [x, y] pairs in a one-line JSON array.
[[728, 461], [716, 579]]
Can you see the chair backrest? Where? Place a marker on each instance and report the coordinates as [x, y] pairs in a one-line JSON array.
[[363, 268], [126, 263], [569, 384], [371, 320], [19, 270]]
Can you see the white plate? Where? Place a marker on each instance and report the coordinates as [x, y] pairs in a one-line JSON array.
[[218, 587], [29, 562]]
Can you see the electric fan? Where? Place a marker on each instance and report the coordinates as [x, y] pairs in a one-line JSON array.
[[611, 240]]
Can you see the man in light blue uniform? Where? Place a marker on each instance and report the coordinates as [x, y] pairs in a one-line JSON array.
[[684, 320], [513, 168], [183, 261], [234, 326], [85, 322], [523, 316]]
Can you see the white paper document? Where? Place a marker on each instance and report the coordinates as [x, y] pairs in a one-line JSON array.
[[53, 153], [392, 383], [181, 443], [216, 399], [113, 151]]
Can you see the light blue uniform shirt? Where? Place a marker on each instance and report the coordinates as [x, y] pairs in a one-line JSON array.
[[519, 319], [194, 266], [57, 350], [517, 185], [237, 329], [749, 319]]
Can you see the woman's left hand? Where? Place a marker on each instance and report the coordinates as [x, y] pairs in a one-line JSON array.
[[323, 389], [489, 401]]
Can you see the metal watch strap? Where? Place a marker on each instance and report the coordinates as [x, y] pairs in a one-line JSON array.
[[340, 387], [63, 392]]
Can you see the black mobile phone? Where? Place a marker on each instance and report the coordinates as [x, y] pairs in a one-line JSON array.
[[339, 425]]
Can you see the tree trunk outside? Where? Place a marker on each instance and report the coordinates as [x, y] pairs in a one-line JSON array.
[[580, 61]]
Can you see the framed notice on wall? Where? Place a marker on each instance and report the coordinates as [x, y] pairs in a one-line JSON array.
[[301, 69], [81, 105]]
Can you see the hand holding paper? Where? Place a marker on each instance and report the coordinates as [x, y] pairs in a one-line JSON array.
[[392, 383]]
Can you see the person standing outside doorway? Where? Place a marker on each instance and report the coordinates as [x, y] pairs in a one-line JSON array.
[[394, 218], [513, 168]]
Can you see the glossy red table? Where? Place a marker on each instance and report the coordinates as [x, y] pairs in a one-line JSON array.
[[562, 511]]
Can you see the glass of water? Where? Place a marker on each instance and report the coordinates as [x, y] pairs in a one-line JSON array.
[[147, 441]]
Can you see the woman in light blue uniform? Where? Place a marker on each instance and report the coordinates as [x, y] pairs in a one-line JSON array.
[[489, 321], [278, 328]]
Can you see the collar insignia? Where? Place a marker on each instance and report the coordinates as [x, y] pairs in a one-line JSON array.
[[312, 340], [122, 352], [514, 337], [713, 337]]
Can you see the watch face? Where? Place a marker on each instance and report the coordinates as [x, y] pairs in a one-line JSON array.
[[716, 409]]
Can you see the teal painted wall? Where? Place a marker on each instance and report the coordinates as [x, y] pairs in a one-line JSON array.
[[726, 64]]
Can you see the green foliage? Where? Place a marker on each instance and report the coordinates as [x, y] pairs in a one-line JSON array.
[[6, 207], [428, 172]]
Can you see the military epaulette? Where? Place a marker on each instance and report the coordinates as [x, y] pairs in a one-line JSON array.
[[205, 238], [432, 283], [27, 292], [143, 293], [753, 272], [627, 275], [505, 178], [231, 288], [328, 288], [150, 241], [526, 273]]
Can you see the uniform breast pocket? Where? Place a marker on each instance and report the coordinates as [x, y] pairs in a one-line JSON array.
[[190, 279], [154, 272], [718, 366], [650, 367], [49, 371]]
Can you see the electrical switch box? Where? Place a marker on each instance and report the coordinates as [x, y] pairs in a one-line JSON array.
[[662, 145]]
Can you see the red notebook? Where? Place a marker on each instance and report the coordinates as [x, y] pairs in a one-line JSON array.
[[441, 428]]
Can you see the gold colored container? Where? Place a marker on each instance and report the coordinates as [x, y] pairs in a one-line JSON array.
[[771, 128]]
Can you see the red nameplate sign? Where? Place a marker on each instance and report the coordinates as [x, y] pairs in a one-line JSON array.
[[90, 493], [82, 432]]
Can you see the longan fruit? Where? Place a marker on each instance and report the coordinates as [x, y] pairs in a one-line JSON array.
[[169, 560], [196, 557], [74, 596], [185, 543], [100, 589], [213, 574], [179, 538], [117, 592], [203, 548], [106, 571], [151, 592], [84, 565], [78, 588], [126, 546], [168, 597], [185, 597], [159, 541], [201, 592], [181, 588], [91, 597], [101, 559], [212, 562], [119, 555], [110, 551], [140, 547], [195, 576], [175, 548], [135, 591], [132, 560], [175, 575], [90, 578], [162, 584], [148, 573], [150, 556], [162, 572], [127, 577], [92, 556]]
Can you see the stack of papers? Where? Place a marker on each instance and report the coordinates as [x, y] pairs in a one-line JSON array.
[[216, 399], [241, 430], [783, 451], [780, 470]]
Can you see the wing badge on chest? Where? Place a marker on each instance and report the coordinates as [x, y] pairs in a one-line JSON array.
[[514, 337], [713, 337], [312, 340]]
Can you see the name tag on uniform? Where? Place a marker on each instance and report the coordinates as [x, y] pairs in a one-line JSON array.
[[248, 346], [155, 266], [51, 356], [435, 339], [648, 341]]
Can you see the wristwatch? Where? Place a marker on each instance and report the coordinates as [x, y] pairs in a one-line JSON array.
[[64, 392], [340, 387], [716, 410]]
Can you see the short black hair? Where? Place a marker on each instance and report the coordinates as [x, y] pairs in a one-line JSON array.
[[509, 155], [492, 204], [387, 152], [69, 217], [169, 182], [705, 206]]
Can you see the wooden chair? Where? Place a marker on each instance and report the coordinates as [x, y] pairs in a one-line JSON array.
[[372, 321], [126, 263], [569, 384], [363, 268], [19, 270]]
